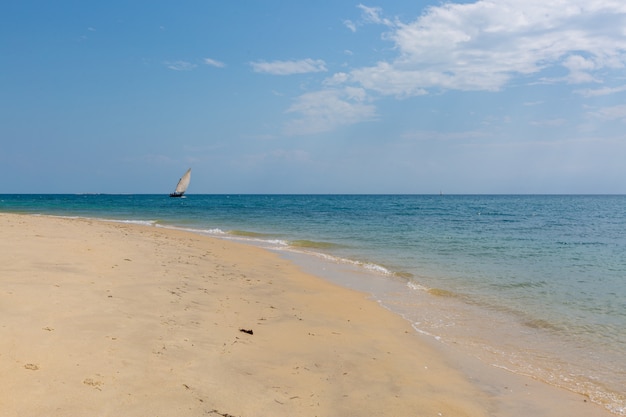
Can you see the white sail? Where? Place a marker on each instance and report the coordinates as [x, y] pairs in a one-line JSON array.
[[183, 183]]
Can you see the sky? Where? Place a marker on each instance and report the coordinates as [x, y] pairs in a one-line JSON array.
[[324, 96]]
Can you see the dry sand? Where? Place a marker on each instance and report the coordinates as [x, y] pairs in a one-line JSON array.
[[109, 319]]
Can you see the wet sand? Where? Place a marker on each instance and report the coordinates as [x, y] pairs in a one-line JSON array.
[[112, 319]]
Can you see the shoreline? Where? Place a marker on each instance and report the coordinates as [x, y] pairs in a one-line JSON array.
[[122, 319], [507, 384]]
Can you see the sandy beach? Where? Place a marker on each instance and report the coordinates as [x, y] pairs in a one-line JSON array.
[[111, 319]]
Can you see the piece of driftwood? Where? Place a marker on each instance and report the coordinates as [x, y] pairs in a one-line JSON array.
[[246, 331]]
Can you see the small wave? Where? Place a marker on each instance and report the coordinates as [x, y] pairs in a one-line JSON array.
[[368, 266], [257, 239], [215, 231], [417, 287], [254, 238], [424, 332], [437, 292], [376, 268], [138, 222], [281, 243], [218, 232]]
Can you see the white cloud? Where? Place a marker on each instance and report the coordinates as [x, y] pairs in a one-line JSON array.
[[289, 67], [336, 79], [369, 15], [604, 91], [480, 46], [483, 45], [350, 25], [326, 110], [387, 79], [373, 15], [579, 68], [611, 113], [180, 65], [214, 63]]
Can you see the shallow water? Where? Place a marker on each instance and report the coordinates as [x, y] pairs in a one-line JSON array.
[[534, 284]]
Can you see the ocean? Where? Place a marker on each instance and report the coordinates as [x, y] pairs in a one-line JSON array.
[[535, 284]]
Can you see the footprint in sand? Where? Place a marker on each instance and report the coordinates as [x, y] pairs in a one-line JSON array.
[[31, 366], [93, 383]]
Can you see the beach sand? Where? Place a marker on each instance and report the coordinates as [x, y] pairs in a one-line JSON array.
[[112, 319]]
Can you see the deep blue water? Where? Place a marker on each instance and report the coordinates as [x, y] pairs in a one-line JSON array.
[[547, 271]]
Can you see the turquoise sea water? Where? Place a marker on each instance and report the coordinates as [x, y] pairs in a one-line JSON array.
[[534, 284]]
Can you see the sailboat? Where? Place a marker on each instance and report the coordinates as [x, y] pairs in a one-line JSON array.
[[182, 185]]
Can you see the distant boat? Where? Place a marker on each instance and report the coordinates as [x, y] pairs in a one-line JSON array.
[[182, 185]]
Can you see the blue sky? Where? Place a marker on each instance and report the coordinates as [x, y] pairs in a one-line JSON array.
[[488, 96]]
